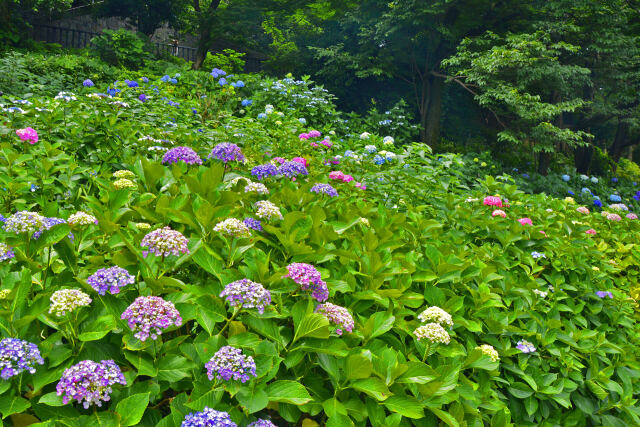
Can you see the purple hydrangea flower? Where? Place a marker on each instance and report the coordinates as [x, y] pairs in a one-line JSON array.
[[132, 83], [87, 83], [536, 255], [338, 315], [142, 97], [308, 277], [247, 294], [147, 316], [48, 223], [7, 253], [227, 152], [525, 346], [253, 224], [164, 242], [262, 423], [90, 382], [208, 418], [292, 169], [181, 154], [604, 294], [17, 356], [111, 279], [263, 171], [324, 189], [229, 363]]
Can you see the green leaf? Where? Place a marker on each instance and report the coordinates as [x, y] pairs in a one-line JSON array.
[[405, 405], [445, 416], [52, 236], [378, 324], [358, 367], [51, 399], [520, 390], [93, 336], [288, 391], [313, 325], [253, 401], [132, 408], [13, 405], [374, 387], [174, 368], [100, 419]]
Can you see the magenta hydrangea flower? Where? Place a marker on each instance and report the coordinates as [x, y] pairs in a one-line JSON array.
[[17, 356], [303, 136], [208, 418], [28, 134], [301, 160], [324, 189], [315, 134], [165, 242], [181, 154], [148, 316], [525, 221], [111, 279], [308, 277], [229, 363], [338, 315], [227, 152], [89, 382], [492, 201], [631, 216], [247, 294]]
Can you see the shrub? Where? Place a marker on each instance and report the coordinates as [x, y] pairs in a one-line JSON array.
[[120, 47], [230, 61]]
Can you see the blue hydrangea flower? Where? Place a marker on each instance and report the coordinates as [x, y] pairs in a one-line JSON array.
[[246, 102], [174, 81], [615, 198], [145, 80], [302, 120], [614, 180], [222, 81], [262, 116], [378, 159], [566, 178], [132, 83], [571, 193], [597, 203], [165, 78], [87, 83], [594, 179]]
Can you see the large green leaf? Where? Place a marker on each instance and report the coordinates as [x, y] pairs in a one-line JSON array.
[[288, 392], [313, 325], [132, 408], [13, 405]]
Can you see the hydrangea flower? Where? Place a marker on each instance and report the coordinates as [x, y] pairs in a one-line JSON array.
[[489, 351], [338, 315], [590, 231], [82, 218], [613, 217], [300, 160], [23, 222], [378, 159], [216, 72], [229, 363], [387, 140], [142, 97], [584, 177], [308, 277], [66, 96], [28, 134], [499, 212], [324, 189], [266, 209], [227, 152], [585, 190], [89, 382], [253, 224], [597, 203], [292, 169], [124, 174], [619, 207], [370, 149], [262, 423], [361, 186], [525, 346], [247, 294], [6, 252], [536, 255], [17, 356], [232, 227], [263, 171], [594, 179], [432, 332], [181, 154], [164, 242], [541, 294], [123, 183], [67, 300], [208, 418], [256, 187], [566, 178], [583, 210], [615, 198], [604, 294], [437, 315], [147, 316], [492, 201], [87, 83], [111, 279], [143, 226], [525, 221], [631, 216], [246, 102], [365, 135]]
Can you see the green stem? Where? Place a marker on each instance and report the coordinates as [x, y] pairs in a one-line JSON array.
[[44, 279], [426, 352], [235, 313]]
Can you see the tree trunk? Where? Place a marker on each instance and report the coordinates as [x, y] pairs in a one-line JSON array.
[[620, 141], [430, 120], [202, 48], [582, 157], [544, 160], [207, 20]]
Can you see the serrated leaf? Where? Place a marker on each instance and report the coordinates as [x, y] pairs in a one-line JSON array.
[[288, 391], [313, 325], [131, 409]]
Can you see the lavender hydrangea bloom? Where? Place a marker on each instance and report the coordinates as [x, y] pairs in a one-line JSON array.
[[525, 346], [229, 363], [48, 223], [338, 315], [604, 294], [536, 255], [227, 152], [111, 279], [292, 169], [147, 316], [23, 222], [7, 253], [324, 189], [181, 154], [87, 83], [247, 294], [262, 423], [164, 242], [90, 382], [17, 356], [253, 224], [308, 277], [208, 418], [263, 171]]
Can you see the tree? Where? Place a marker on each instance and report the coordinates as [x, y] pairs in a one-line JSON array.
[[145, 15]]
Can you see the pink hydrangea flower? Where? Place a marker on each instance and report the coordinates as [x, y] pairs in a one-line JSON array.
[[28, 134], [613, 217], [314, 134], [361, 186], [525, 221], [313, 144], [632, 216], [583, 210], [326, 143], [300, 160], [493, 201], [590, 231], [303, 136], [347, 178], [499, 212], [336, 175]]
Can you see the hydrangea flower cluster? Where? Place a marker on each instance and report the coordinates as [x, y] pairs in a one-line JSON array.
[[324, 189], [614, 217], [432, 332], [229, 363], [604, 294], [264, 171], [536, 255], [266, 209], [253, 224], [23, 222], [499, 212], [262, 423], [181, 154], [17, 356], [388, 140], [300, 160], [615, 198], [111, 279], [292, 169], [340, 176], [591, 231], [123, 183], [47, 223], [6, 252], [256, 187], [89, 382], [525, 346], [82, 218], [148, 315], [525, 221], [247, 294], [583, 210], [541, 294], [4, 293], [67, 300], [124, 174], [338, 315], [619, 207], [227, 152], [631, 216], [28, 134], [164, 242], [492, 201], [143, 226], [208, 418], [488, 350], [437, 315], [232, 227], [308, 277]]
